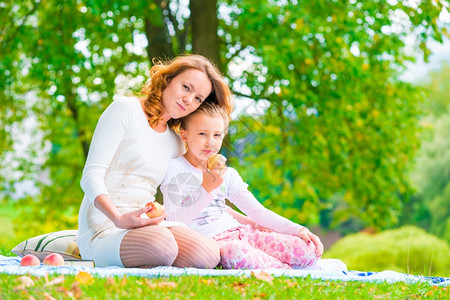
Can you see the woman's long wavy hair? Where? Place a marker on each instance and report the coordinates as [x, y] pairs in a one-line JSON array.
[[163, 71]]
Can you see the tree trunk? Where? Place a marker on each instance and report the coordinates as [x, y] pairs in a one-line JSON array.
[[204, 29], [205, 41], [159, 45]]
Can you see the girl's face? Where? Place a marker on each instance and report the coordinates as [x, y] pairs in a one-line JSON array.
[[184, 94], [204, 136]]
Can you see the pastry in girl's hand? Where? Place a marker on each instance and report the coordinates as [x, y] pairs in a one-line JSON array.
[[216, 160]]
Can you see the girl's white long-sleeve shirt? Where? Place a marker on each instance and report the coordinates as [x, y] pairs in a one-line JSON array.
[[185, 200]]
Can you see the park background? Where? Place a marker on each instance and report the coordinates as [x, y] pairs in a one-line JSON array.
[[335, 126]]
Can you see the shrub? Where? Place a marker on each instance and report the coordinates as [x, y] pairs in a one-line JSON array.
[[407, 249]]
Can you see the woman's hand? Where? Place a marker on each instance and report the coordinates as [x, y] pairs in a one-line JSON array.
[[133, 219], [309, 237], [128, 220]]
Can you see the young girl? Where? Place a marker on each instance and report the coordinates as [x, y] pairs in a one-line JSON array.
[[195, 195]]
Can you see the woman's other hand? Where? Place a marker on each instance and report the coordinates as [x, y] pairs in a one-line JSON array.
[[127, 220], [133, 219]]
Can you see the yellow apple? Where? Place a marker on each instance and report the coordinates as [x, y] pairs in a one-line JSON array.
[[216, 161]]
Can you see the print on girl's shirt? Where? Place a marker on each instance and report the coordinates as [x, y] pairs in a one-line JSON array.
[[215, 207], [184, 189]]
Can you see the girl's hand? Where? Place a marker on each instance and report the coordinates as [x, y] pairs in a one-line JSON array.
[[212, 179], [262, 228], [309, 237], [133, 219]]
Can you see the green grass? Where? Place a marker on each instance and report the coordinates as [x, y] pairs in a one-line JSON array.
[[206, 287], [6, 251], [197, 287], [7, 235], [407, 249]]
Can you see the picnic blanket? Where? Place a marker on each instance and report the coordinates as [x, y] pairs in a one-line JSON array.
[[11, 265]]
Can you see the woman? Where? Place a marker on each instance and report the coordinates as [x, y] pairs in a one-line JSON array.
[[128, 158]]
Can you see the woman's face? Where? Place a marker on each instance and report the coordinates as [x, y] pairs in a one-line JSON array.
[[184, 93]]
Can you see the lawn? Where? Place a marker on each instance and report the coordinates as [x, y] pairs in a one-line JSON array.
[[258, 286], [8, 237], [83, 286], [196, 287]]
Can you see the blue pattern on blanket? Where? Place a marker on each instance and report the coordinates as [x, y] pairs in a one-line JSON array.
[[438, 280], [11, 265]]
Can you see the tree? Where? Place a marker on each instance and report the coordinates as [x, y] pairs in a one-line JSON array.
[[437, 102], [12, 89], [432, 171], [204, 29], [340, 129], [73, 59]]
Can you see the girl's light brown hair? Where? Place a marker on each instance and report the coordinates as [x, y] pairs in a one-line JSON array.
[[163, 71], [210, 109]]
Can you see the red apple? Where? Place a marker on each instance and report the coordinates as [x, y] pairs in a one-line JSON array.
[[30, 260], [54, 259], [156, 211]]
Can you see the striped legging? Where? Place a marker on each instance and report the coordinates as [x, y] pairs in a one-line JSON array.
[[178, 246]]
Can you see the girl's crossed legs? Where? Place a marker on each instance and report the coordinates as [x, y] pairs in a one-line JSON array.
[[247, 248]]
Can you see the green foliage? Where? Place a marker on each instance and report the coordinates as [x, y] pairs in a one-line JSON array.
[[431, 207], [8, 235], [61, 63], [341, 129], [408, 249], [339, 133], [12, 90], [71, 57], [433, 177], [438, 102]]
